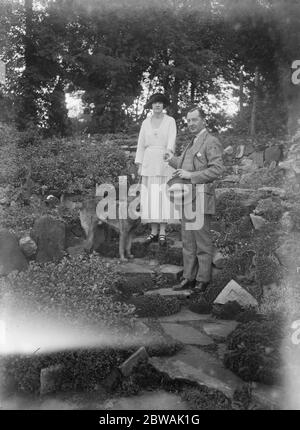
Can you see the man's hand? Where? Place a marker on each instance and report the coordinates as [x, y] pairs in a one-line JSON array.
[[183, 174]]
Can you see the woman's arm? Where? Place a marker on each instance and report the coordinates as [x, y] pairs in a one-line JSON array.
[[172, 132], [141, 145]]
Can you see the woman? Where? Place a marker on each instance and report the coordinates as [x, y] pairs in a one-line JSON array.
[[157, 137]]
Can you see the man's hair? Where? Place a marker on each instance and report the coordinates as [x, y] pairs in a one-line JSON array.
[[197, 108]]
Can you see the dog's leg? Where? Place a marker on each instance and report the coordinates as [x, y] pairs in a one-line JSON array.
[[128, 245], [122, 244], [89, 243]]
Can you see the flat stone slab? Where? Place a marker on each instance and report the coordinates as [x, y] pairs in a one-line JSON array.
[[135, 268], [148, 401], [220, 329], [171, 270], [196, 365], [186, 334], [170, 292], [185, 315]]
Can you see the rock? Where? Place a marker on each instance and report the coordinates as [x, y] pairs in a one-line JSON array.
[[51, 379], [273, 154], [257, 221], [249, 149], [288, 252], [247, 165], [219, 260], [11, 256], [28, 246], [136, 268], [169, 292], [220, 329], [258, 158], [228, 150], [76, 250], [186, 334], [138, 357], [240, 151], [50, 237], [171, 271], [112, 380], [276, 191], [198, 366], [184, 315], [287, 222], [234, 292]]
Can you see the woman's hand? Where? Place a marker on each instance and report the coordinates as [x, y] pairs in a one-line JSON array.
[[139, 169], [168, 155]]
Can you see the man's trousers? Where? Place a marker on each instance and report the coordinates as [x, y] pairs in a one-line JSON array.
[[197, 251]]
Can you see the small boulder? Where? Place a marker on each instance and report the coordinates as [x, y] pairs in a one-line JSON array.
[[50, 236], [240, 151], [228, 150], [287, 222], [51, 379], [28, 246], [273, 154], [219, 260], [258, 158], [11, 256], [234, 292], [257, 221], [138, 357]]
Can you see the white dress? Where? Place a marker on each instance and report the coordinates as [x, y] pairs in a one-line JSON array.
[[153, 143]]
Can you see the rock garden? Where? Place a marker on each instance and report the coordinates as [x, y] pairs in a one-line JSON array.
[[82, 330]]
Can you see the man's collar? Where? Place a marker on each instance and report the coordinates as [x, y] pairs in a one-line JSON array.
[[201, 132]]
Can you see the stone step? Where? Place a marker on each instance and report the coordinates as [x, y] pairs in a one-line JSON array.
[[196, 365], [185, 315], [169, 292], [186, 334]]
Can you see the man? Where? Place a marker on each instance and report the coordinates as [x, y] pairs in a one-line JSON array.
[[201, 163]]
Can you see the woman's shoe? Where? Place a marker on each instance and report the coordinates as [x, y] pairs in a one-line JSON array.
[[162, 240], [151, 238]]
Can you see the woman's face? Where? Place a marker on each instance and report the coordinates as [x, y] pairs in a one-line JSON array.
[[157, 107]]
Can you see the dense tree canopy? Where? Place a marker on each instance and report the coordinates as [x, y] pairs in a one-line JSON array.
[[114, 50]]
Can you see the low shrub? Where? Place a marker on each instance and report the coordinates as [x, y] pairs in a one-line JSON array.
[[155, 305], [254, 350], [79, 289], [83, 368]]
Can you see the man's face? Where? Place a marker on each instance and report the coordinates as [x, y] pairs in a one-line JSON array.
[[157, 107], [195, 122]]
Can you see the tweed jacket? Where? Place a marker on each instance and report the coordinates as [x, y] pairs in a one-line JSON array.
[[206, 165]]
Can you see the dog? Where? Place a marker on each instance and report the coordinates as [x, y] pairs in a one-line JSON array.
[[90, 221]]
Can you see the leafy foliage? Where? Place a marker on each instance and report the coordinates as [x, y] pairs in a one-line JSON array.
[[79, 289], [254, 350]]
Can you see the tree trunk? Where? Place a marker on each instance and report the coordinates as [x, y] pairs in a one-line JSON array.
[[241, 91], [27, 108], [254, 105]]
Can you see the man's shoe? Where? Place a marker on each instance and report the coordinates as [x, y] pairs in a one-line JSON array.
[[185, 284], [201, 287]]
